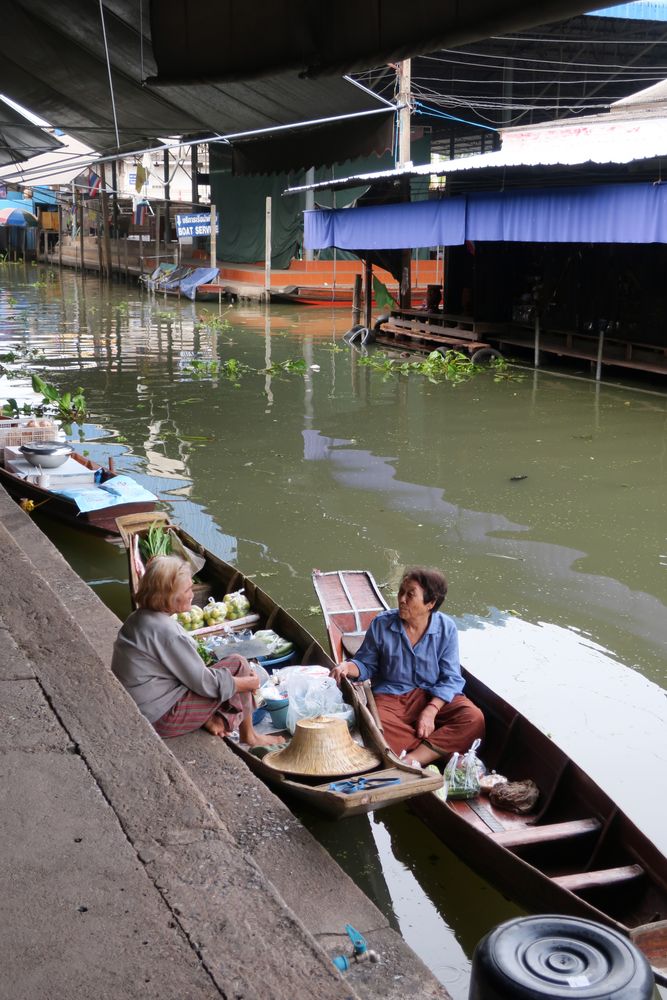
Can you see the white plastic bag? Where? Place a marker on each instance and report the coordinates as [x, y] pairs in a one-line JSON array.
[[314, 695]]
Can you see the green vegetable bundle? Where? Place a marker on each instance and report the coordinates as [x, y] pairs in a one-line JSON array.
[[157, 542]]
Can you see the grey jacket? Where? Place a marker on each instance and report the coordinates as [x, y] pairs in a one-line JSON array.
[[155, 659]]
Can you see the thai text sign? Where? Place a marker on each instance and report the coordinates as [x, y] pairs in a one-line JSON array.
[[197, 224]]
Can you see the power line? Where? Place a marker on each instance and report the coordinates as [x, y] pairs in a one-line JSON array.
[[562, 40], [531, 82], [527, 59]]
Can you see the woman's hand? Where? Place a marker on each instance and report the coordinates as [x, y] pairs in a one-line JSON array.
[[426, 722], [246, 683], [345, 669]]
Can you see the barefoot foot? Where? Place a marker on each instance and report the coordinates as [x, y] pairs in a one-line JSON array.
[[215, 725], [263, 740]]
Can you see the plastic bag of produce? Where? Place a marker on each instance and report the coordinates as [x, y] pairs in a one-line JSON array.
[[275, 644], [238, 605], [213, 613], [312, 695], [462, 774]]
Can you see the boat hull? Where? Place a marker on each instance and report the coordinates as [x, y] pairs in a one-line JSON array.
[[577, 854], [96, 522]]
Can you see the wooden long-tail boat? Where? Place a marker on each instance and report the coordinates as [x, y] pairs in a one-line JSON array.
[[576, 854], [217, 578], [98, 522]]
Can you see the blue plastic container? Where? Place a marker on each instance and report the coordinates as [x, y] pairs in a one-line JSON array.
[[278, 661], [277, 709]]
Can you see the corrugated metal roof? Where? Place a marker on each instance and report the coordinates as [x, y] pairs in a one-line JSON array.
[[640, 10], [650, 95], [612, 138]]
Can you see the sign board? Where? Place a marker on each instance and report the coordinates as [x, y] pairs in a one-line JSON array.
[[197, 224]]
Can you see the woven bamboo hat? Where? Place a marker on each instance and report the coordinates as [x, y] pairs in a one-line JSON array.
[[322, 747]]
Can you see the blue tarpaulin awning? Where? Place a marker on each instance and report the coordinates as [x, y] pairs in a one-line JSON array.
[[605, 213], [388, 227]]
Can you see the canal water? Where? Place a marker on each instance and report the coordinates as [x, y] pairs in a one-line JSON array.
[[541, 495]]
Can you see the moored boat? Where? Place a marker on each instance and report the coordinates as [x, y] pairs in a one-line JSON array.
[[577, 853], [82, 493], [216, 578]]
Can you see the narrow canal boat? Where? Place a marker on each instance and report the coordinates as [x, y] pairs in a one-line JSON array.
[[80, 492], [575, 854], [216, 578]]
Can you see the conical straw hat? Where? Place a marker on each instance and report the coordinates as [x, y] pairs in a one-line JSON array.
[[322, 747]]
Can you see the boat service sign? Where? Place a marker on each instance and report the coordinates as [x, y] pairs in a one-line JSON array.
[[196, 224]]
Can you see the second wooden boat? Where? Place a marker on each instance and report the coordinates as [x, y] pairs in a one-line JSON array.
[[101, 521], [217, 578], [577, 853]]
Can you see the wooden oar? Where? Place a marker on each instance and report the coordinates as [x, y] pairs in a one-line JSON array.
[[372, 707]]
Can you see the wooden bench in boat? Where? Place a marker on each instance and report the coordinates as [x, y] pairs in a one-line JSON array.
[[595, 879], [527, 835]]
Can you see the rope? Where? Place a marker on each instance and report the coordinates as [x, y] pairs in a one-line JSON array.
[[106, 52]]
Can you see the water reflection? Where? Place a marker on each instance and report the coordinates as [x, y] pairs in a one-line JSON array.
[[441, 908], [556, 579]]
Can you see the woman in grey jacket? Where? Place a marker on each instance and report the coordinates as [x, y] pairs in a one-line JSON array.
[[157, 662]]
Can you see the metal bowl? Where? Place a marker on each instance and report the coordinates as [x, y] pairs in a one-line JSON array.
[[46, 454]]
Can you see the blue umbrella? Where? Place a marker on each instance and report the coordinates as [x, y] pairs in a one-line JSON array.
[[14, 215]]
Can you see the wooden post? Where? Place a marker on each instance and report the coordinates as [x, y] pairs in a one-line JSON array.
[[194, 170], [310, 205], [537, 339], [127, 269], [368, 293], [114, 199], [214, 249], [167, 196], [267, 251], [100, 258], [83, 265], [356, 300], [60, 235], [598, 363], [157, 236], [105, 225]]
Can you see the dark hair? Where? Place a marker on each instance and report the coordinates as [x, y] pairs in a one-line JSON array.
[[431, 581]]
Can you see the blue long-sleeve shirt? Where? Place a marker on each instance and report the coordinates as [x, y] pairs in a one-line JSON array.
[[387, 658]]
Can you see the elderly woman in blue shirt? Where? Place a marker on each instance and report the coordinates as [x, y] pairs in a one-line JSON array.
[[411, 657]]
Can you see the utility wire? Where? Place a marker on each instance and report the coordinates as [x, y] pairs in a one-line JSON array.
[[113, 99], [449, 53], [562, 40]]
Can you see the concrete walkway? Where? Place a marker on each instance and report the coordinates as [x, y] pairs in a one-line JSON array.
[[130, 867]]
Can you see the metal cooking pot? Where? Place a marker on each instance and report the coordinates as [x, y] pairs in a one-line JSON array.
[[46, 454]]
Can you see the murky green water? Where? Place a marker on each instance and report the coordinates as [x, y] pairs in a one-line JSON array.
[[558, 579]]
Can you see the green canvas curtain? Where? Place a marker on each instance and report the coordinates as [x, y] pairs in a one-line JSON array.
[[241, 204]]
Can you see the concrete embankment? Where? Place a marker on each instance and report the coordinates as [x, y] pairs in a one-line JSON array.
[[130, 867]]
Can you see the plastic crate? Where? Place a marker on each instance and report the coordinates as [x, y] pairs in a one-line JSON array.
[[14, 433]]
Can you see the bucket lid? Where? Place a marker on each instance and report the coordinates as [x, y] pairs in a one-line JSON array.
[[322, 747]]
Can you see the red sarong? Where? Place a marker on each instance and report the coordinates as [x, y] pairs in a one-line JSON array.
[[193, 710], [457, 723]]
